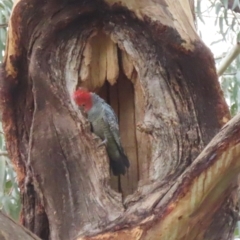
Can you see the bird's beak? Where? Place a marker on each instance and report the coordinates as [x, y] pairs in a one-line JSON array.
[[82, 108]]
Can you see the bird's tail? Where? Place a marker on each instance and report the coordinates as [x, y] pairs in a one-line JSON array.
[[119, 165]]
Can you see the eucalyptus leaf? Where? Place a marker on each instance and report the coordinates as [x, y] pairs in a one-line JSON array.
[[2, 174], [225, 3], [236, 3], [218, 7]]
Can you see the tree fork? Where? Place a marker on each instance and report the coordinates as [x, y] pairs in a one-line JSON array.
[[178, 183]]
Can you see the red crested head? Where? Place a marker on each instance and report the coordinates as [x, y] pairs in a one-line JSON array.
[[83, 98]]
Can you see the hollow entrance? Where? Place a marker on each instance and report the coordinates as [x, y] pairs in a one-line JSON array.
[[121, 97], [108, 70]]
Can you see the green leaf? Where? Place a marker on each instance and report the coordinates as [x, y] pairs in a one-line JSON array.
[[233, 109], [2, 174], [217, 41], [199, 12], [8, 4], [218, 7], [238, 37], [221, 24], [225, 3], [8, 185]]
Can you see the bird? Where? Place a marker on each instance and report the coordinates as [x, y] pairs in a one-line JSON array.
[[104, 124]]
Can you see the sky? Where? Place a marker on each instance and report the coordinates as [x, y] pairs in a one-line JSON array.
[[210, 30]]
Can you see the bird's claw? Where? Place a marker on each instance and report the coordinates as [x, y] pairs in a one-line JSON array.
[[104, 142], [95, 138]]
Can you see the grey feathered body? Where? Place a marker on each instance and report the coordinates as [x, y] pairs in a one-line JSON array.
[[105, 125]]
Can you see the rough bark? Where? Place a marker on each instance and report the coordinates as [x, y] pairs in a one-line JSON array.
[[170, 105]]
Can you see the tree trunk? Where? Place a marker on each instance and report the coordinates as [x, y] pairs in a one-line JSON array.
[[146, 59]]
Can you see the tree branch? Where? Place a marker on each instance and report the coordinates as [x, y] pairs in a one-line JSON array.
[[9, 229], [228, 59], [4, 153], [3, 25]]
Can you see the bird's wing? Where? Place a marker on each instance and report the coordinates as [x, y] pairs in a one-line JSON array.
[[111, 118]]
